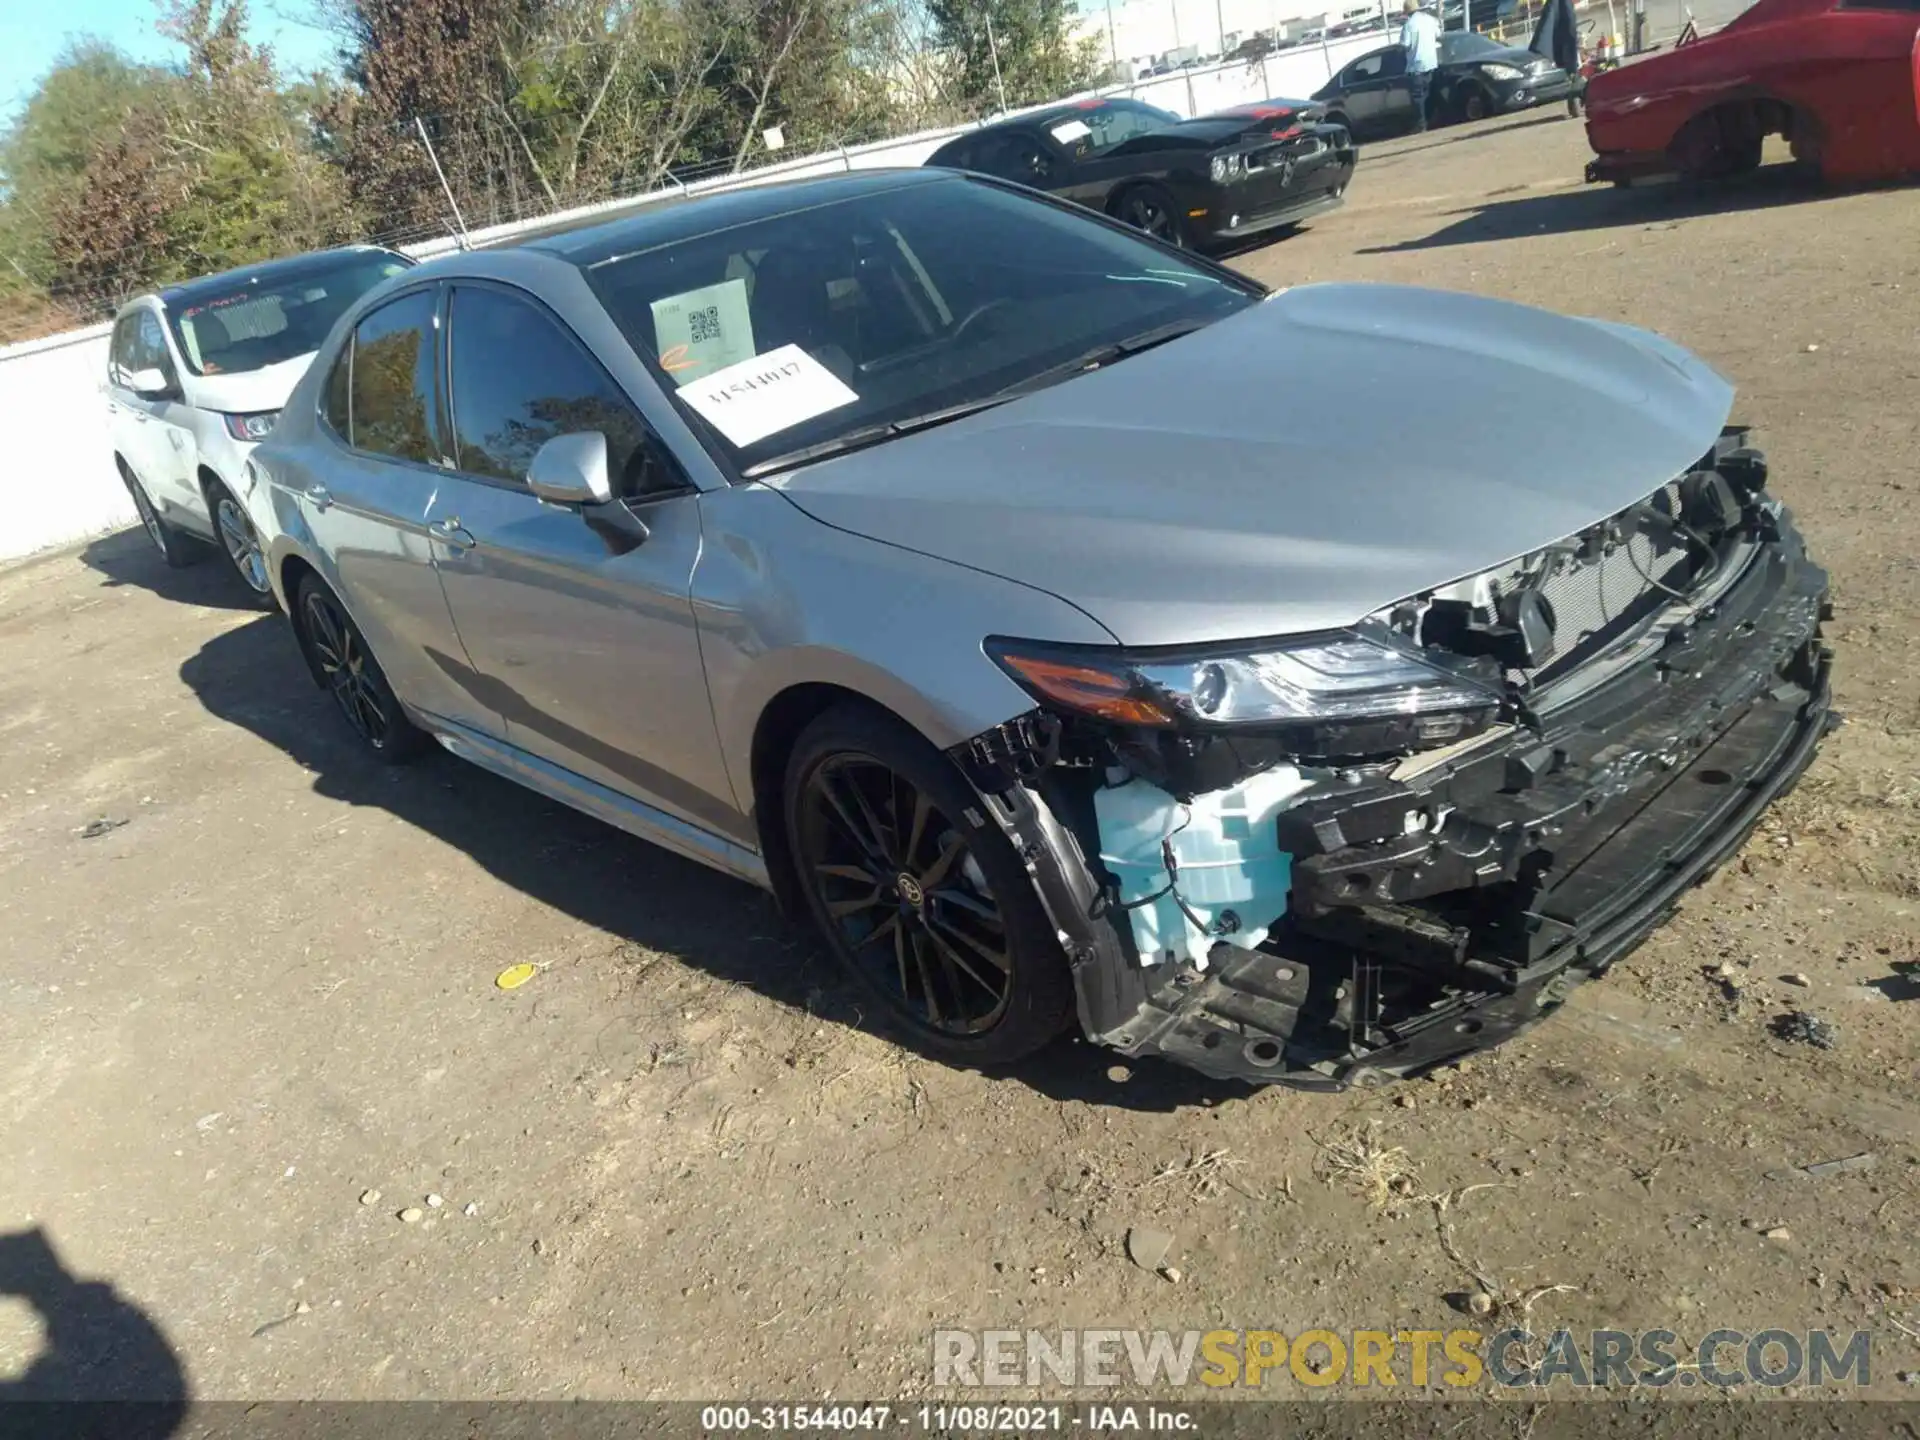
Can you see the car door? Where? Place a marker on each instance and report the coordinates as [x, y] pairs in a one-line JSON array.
[[1365, 87], [1396, 91], [174, 416], [588, 649], [166, 464], [129, 420], [372, 501]]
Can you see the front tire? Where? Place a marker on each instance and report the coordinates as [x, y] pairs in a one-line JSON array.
[[178, 550], [346, 669], [1474, 104], [919, 894], [1151, 209], [240, 543]]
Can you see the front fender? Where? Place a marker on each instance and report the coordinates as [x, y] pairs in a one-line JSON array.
[[784, 600], [287, 536]]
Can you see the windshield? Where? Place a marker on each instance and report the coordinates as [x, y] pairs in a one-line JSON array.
[[1096, 126], [266, 319], [787, 334], [1457, 47]]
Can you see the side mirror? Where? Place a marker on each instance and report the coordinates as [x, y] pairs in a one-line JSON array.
[[571, 470], [150, 381]]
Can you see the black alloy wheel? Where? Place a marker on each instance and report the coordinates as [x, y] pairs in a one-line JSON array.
[[895, 876], [347, 670], [1149, 208], [920, 895]]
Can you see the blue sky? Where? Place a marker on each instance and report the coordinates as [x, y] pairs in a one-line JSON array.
[[33, 32]]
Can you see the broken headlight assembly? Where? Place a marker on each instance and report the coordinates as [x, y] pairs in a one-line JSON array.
[[1329, 695]]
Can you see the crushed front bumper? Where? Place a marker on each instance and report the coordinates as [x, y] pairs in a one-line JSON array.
[[1439, 913], [1543, 90]]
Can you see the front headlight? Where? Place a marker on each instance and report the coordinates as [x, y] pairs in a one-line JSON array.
[[1338, 694], [252, 428], [1226, 167], [1497, 71]]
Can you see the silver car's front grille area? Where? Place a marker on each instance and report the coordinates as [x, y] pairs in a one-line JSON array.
[[1553, 613], [1595, 600]]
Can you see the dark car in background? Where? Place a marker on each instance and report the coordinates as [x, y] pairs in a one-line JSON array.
[[1195, 183], [1476, 77]]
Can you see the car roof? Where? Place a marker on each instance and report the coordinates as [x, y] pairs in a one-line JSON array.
[[1051, 114], [267, 272], [667, 222]]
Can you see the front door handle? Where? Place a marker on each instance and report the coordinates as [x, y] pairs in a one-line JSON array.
[[319, 496], [452, 534]]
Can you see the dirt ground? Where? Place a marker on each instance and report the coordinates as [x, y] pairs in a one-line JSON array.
[[242, 1031]]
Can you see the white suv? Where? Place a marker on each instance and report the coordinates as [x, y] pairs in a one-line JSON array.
[[196, 376]]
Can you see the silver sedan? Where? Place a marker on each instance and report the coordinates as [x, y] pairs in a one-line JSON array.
[[1307, 686]]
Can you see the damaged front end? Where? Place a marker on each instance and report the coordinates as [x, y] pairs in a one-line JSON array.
[[1334, 860]]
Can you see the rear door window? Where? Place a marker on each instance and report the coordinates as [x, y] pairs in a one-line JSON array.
[[391, 390], [1367, 67]]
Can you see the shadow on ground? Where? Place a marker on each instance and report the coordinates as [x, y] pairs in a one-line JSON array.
[[1379, 154], [127, 557], [1608, 207], [252, 676], [98, 1348]]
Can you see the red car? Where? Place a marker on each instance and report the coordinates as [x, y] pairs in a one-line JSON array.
[[1840, 79]]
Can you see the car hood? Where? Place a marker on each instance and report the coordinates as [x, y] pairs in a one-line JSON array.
[[1512, 55], [1261, 111], [249, 391], [1260, 119], [1294, 467], [1187, 135]]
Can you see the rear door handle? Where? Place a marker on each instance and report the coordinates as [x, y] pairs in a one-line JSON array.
[[452, 534], [319, 496]]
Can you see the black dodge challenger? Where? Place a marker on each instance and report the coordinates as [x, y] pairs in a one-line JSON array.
[[1191, 182]]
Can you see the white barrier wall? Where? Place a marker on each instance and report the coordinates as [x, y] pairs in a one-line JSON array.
[[60, 484]]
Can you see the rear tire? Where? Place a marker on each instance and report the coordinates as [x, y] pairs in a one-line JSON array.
[[918, 892], [177, 549], [346, 669], [1719, 145], [240, 543]]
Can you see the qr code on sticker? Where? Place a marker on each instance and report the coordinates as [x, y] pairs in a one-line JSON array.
[[704, 324]]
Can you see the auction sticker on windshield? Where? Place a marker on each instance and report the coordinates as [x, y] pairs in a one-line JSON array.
[[767, 394], [701, 331], [1069, 131]]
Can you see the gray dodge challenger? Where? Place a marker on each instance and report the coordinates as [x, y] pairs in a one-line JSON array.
[[1073, 629]]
